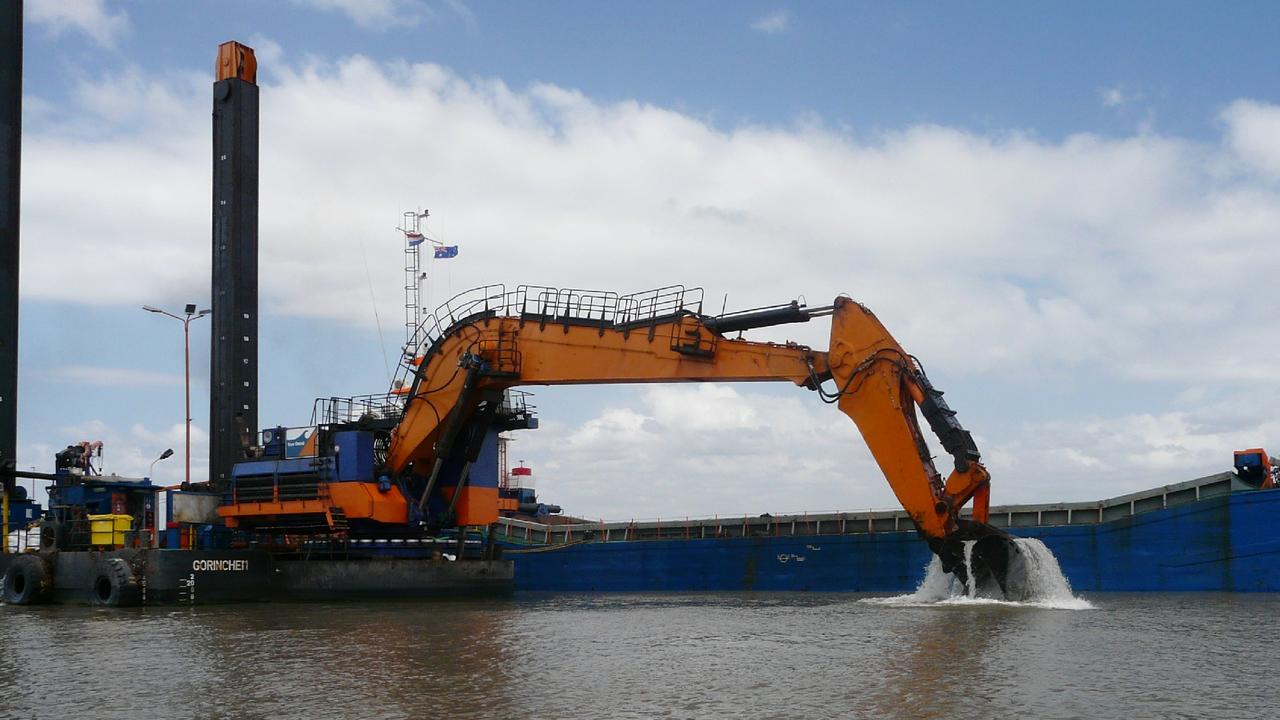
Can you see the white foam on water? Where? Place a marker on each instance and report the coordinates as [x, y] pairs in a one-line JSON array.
[[1048, 587]]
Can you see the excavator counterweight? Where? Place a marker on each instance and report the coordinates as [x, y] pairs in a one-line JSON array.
[[539, 336]]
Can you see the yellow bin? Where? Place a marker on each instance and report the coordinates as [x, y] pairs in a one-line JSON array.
[[109, 529]]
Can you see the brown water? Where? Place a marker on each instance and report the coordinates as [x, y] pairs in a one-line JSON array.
[[624, 656]]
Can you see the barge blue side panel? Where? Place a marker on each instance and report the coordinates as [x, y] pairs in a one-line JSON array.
[[1255, 544], [1223, 543], [882, 562]]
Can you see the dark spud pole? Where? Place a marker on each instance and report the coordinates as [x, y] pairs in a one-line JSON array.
[[10, 167], [233, 382]]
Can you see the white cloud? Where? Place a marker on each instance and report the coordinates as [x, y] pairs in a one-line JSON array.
[[706, 449], [109, 377], [130, 451], [719, 449], [462, 10], [1003, 260], [375, 14], [772, 23], [268, 52], [133, 452], [1084, 253], [1114, 97], [90, 17], [1104, 457], [1253, 133]]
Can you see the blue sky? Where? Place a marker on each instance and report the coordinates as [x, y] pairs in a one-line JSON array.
[[1025, 67], [1059, 208]]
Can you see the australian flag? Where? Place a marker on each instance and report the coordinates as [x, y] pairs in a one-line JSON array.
[[446, 251]]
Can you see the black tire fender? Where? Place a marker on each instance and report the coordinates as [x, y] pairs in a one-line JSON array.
[[28, 581], [114, 584], [53, 535]]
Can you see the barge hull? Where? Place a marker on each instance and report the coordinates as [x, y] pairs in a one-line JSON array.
[[1224, 542], [166, 577]]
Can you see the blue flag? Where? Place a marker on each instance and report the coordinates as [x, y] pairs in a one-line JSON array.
[[446, 251]]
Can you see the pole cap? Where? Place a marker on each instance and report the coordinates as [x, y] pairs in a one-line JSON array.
[[237, 61]]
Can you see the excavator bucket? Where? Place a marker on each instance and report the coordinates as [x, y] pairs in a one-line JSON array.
[[986, 559]]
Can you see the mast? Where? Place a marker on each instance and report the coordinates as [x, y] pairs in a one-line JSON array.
[[413, 276]]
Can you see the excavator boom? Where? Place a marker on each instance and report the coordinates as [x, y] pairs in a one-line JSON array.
[[559, 338]]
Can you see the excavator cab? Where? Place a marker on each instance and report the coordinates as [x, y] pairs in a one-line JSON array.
[[1255, 466]]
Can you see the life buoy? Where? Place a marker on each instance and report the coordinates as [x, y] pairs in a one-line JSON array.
[[27, 581], [114, 584]]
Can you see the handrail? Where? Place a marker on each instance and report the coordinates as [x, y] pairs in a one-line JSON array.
[[542, 304], [334, 410], [856, 522]]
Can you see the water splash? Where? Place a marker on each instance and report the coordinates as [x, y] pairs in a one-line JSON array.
[[970, 584], [1047, 586]]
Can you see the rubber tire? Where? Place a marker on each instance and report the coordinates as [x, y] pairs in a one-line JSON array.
[[27, 581], [114, 584]]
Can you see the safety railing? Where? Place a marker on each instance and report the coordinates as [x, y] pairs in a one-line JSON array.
[[545, 305], [650, 305], [515, 404], [338, 410], [526, 532], [552, 304]]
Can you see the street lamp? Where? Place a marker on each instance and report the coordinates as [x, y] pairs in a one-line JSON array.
[[191, 314], [166, 454]]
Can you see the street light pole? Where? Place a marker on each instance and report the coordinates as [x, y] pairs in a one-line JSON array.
[[191, 314], [186, 373], [164, 455]]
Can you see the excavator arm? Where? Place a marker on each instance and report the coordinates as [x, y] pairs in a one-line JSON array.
[[461, 375]]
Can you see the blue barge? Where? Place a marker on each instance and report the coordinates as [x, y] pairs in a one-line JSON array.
[[1213, 533]]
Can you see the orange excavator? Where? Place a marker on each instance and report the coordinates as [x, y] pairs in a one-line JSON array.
[[484, 343], [402, 464]]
